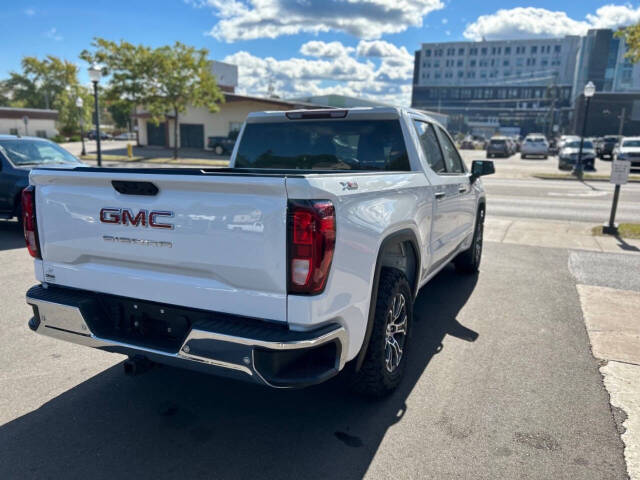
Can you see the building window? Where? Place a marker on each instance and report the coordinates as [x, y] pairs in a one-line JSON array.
[[555, 62], [436, 64], [519, 50], [505, 63], [493, 74], [428, 75], [448, 74], [13, 131], [427, 52], [507, 50], [438, 53], [451, 52], [519, 62], [461, 51], [483, 62], [502, 93], [513, 93], [455, 93], [437, 75], [460, 74], [544, 62], [537, 93], [534, 49], [506, 73], [483, 74], [483, 51], [460, 63], [472, 63], [473, 51], [471, 74], [477, 93], [557, 48]]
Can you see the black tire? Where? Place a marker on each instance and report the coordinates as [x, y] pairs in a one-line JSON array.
[[522, 156], [378, 376], [469, 260]]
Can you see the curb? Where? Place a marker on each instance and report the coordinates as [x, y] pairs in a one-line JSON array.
[[568, 178]]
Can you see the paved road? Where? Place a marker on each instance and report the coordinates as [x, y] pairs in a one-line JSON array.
[[501, 384], [560, 200]]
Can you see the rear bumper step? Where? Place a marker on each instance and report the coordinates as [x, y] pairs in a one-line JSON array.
[[222, 344]]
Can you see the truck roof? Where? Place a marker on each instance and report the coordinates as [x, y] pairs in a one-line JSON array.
[[364, 113]]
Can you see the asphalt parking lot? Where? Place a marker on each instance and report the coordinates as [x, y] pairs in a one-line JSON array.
[[501, 384]]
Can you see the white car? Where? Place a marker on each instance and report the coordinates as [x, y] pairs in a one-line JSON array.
[[534, 146], [125, 136], [303, 256], [629, 149]]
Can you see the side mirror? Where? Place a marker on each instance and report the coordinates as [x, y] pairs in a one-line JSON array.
[[479, 168]]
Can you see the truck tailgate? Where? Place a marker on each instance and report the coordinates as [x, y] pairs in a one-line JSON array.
[[215, 242]]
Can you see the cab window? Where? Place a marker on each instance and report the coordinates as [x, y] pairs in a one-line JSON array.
[[452, 158]]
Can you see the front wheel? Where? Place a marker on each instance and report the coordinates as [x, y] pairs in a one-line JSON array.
[[469, 260], [218, 150], [386, 357]]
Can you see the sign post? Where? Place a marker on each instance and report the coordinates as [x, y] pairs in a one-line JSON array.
[[25, 119], [619, 176]]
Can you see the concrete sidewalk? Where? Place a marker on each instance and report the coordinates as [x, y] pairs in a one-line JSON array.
[[555, 234]]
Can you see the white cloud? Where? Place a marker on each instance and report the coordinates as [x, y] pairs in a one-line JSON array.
[[380, 48], [53, 34], [527, 22], [614, 16], [387, 80], [445, 21], [368, 19], [29, 12], [523, 22], [316, 48]]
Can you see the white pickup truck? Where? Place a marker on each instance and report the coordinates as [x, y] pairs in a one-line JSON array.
[[305, 256]]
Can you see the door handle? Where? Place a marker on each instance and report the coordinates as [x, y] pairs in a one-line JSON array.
[[462, 190], [440, 195]]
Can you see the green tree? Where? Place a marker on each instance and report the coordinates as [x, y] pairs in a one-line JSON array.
[[48, 83], [631, 36], [181, 77], [130, 71]]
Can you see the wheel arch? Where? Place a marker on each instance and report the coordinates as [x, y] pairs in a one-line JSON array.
[[398, 250]]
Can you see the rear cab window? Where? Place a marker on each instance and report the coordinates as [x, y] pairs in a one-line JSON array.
[[365, 145]]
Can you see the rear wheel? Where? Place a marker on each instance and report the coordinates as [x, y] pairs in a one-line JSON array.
[[386, 356], [469, 260], [218, 150]]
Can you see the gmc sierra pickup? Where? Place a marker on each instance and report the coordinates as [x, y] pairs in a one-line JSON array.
[[302, 258]]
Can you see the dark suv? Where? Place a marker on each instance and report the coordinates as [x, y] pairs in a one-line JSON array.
[[607, 145], [499, 147], [18, 155]]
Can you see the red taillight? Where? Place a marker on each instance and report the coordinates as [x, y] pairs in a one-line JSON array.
[[29, 221], [312, 237]]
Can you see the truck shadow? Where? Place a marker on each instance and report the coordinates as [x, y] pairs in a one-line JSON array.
[[11, 235], [169, 423]]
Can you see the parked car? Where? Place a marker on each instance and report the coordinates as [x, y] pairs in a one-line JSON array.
[[568, 156], [629, 149], [325, 274], [125, 136], [221, 145], [468, 143], [499, 147], [607, 146], [18, 155], [534, 146], [92, 135]]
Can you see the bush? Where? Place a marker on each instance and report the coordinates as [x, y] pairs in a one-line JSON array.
[[59, 139], [75, 138]]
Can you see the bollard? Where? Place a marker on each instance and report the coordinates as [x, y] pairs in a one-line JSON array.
[[129, 151]]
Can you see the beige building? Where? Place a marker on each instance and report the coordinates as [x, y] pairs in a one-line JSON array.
[[196, 125], [28, 122]]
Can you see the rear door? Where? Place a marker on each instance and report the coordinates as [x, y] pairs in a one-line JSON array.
[[209, 241]]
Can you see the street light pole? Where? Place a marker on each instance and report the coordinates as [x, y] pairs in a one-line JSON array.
[[95, 72], [589, 91]]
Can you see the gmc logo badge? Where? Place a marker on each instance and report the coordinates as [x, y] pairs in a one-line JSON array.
[[144, 218]]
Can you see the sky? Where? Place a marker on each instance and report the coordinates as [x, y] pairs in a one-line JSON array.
[[299, 47]]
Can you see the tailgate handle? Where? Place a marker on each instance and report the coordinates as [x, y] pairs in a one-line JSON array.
[[135, 188]]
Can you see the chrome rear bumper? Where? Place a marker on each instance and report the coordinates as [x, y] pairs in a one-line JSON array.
[[273, 355]]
